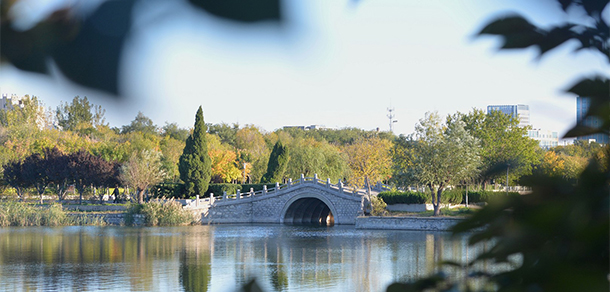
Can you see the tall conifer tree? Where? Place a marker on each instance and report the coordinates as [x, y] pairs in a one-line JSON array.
[[195, 165], [278, 161]]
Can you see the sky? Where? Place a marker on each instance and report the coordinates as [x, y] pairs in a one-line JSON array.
[[332, 63]]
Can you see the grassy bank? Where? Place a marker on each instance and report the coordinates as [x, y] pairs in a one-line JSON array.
[[24, 214], [153, 213]]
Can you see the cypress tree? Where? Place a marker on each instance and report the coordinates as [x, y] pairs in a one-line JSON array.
[[195, 165], [278, 162]]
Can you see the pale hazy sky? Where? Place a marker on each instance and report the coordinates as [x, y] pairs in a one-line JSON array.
[[333, 63]]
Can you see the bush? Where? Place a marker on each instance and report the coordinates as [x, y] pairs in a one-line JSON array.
[[398, 197], [486, 196], [453, 197], [456, 196], [168, 190], [159, 213], [378, 206], [217, 189]]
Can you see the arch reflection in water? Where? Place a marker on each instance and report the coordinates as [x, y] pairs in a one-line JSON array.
[[309, 211]]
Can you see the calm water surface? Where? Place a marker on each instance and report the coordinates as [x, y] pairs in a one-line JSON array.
[[218, 258]]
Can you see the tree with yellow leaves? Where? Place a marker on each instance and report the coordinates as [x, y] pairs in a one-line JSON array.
[[369, 158]]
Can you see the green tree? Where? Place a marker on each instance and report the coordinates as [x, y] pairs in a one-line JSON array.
[[195, 165], [142, 170], [175, 132], [171, 150], [559, 232], [309, 157], [227, 133], [278, 162], [442, 156], [79, 114], [503, 143], [252, 150], [142, 124]]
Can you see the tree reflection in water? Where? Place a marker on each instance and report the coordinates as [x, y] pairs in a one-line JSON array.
[[219, 257]]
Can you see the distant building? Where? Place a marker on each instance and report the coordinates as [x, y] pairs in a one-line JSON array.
[[582, 106], [306, 128], [15, 101], [520, 111], [9, 103], [546, 139]]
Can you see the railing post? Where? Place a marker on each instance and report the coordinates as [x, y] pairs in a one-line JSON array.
[[289, 182], [315, 178], [238, 195], [264, 190], [340, 186], [251, 192], [328, 183], [302, 178], [211, 199], [277, 186], [197, 201], [224, 195]]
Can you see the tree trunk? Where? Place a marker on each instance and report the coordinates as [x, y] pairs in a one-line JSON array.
[[41, 190], [81, 191], [437, 207], [140, 196], [435, 202]]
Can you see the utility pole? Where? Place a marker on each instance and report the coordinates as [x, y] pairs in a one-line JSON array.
[[391, 116]]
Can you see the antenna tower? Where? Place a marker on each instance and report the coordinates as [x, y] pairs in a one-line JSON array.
[[391, 116]]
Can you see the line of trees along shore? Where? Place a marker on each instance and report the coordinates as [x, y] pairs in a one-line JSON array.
[[75, 146]]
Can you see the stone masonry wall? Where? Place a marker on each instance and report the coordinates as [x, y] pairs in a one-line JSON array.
[[270, 208], [407, 223]]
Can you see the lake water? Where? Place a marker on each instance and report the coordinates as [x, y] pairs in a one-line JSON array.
[[218, 258]]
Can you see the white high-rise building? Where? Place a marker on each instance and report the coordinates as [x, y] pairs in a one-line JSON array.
[[520, 111], [546, 139]]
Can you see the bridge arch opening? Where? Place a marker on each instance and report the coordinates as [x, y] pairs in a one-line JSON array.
[[309, 211]]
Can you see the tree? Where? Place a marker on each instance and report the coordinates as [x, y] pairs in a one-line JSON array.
[[142, 124], [227, 133], [173, 131], [195, 165], [502, 142], [59, 171], [278, 162], [442, 156], [309, 157], [369, 159], [141, 171], [89, 170], [252, 150], [559, 232], [14, 176], [171, 149], [79, 114], [35, 173], [225, 165], [552, 164]]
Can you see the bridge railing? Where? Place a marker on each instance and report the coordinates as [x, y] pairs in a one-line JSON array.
[[243, 194]]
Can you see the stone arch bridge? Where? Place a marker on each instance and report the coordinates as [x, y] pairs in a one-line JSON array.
[[308, 201]]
